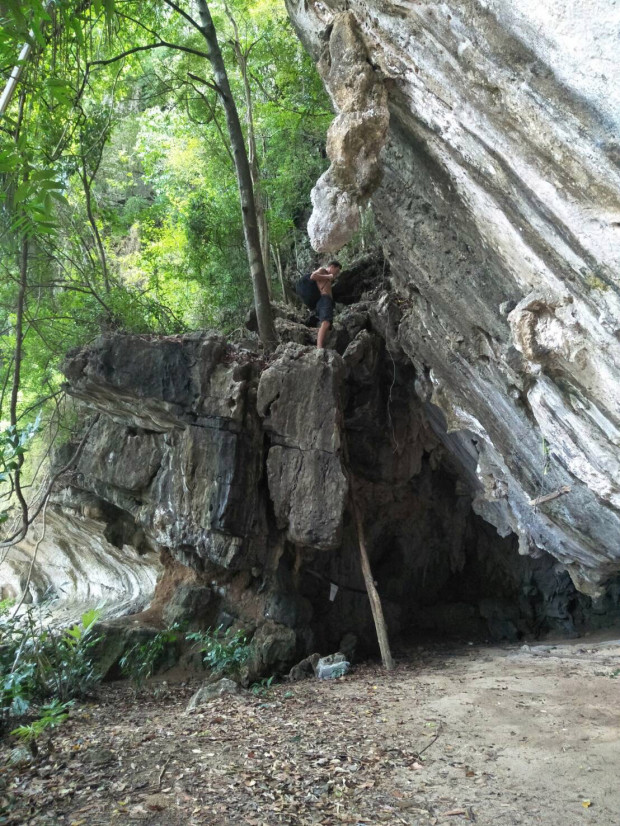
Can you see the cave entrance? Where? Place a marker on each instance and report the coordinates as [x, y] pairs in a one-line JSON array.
[[442, 572]]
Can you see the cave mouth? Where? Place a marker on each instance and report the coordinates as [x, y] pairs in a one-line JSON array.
[[445, 575], [479, 591], [442, 571]]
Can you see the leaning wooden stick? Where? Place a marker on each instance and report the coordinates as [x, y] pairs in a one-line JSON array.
[[373, 595]]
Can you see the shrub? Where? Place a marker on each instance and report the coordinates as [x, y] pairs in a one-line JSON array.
[[224, 652], [38, 662], [141, 659]]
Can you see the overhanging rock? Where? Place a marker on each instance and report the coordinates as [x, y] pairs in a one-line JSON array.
[[499, 210]]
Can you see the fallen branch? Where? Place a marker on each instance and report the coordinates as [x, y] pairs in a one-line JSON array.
[[434, 740], [373, 595], [549, 497], [162, 772], [371, 588]]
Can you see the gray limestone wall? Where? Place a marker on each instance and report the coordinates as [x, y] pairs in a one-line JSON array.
[[499, 211], [226, 476]]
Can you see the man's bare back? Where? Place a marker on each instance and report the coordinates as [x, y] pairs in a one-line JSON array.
[[324, 278]]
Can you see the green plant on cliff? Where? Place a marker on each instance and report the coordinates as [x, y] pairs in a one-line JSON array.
[[224, 652]]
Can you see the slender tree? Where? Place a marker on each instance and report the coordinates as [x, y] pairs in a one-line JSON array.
[[241, 56], [264, 315]]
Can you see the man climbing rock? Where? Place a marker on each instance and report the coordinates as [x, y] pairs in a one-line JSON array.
[[325, 277]]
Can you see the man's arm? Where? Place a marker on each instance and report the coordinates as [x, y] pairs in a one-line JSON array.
[[321, 273]]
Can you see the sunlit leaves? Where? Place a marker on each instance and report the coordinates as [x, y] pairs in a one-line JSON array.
[[153, 147]]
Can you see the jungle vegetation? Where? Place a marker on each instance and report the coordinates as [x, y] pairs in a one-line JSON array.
[[120, 185]]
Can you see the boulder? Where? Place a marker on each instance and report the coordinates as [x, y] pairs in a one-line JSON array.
[[273, 649], [211, 691], [304, 669]]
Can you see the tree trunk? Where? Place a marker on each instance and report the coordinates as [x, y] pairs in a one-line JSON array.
[[259, 199], [17, 365], [264, 315], [87, 186]]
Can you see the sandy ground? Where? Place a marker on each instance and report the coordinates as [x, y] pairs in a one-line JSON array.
[[528, 736], [493, 736]]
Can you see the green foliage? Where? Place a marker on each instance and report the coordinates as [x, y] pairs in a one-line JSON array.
[[37, 662], [6, 605], [139, 662], [13, 445], [74, 673], [117, 182], [51, 716], [261, 688], [224, 652]]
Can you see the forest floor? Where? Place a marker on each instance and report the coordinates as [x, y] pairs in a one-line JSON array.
[[492, 736]]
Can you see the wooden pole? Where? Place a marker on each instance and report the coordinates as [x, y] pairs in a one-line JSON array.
[[373, 595]]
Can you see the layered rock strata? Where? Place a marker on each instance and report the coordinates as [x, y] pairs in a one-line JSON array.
[[499, 210], [231, 469], [81, 562]]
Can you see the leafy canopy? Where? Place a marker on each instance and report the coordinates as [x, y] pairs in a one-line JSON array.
[[118, 201]]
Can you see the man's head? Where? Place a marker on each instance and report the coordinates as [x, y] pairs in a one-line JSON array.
[[334, 267]]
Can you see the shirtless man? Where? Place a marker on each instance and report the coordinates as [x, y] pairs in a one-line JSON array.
[[324, 278]]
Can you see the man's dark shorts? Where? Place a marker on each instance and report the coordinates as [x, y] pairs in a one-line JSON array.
[[325, 308]]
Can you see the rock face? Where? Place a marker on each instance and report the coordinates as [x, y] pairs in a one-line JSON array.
[[174, 446], [472, 385], [299, 401], [354, 140], [83, 562], [499, 210], [227, 475]]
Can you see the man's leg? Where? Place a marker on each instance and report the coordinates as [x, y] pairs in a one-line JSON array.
[[323, 330]]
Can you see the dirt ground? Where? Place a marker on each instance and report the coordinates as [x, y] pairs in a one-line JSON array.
[[492, 736]]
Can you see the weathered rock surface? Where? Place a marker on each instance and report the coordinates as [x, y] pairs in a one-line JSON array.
[[354, 139], [304, 669], [175, 446], [241, 488], [499, 210], [475, 380], [299, 399], [80, 565]]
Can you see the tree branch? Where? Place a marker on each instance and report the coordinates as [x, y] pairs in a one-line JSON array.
[[208, 83], [23, 530], [211, 109], [147, 47], [184, 14]]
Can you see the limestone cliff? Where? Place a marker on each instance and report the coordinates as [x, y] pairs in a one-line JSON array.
[[472, 380], [499, 210], [234, 471]]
